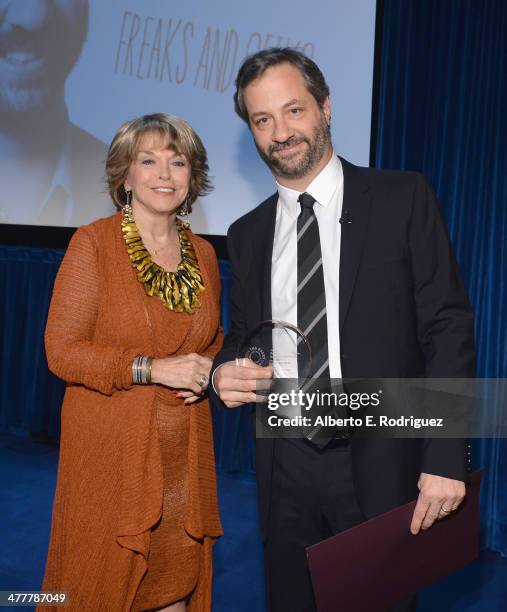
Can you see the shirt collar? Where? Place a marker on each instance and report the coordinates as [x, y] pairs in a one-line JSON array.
[[62, 178], [323, 188]]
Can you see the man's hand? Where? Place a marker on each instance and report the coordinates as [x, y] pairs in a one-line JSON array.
[[438, 497], [236, 381]]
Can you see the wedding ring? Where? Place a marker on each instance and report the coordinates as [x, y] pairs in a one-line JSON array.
[[442, 509], [202, 380]]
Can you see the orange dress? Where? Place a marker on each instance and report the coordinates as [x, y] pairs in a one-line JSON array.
[[135, 512], [178, 563]]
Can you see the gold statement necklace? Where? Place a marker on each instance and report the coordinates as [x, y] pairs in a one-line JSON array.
[[178, 290]]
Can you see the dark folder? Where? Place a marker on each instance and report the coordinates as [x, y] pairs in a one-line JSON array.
[[379, 563]]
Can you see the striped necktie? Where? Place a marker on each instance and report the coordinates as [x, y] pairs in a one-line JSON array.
[[311, 295]]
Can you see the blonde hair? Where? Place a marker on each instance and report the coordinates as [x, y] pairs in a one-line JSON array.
[[179, 136]]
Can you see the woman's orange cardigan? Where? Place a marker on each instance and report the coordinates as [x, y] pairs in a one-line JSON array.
[[110, 485]]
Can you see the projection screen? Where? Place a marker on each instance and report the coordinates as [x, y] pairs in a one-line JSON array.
[[67, 83]]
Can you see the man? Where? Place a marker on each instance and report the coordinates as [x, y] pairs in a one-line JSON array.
[[51, 170], [394, 307]]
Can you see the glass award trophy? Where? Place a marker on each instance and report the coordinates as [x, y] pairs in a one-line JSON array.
[[281, 345]]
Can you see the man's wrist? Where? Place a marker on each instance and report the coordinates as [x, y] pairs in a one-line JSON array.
[[213, 379]]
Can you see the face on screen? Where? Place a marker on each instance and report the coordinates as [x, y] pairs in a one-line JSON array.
[[40, 41], [159, 177], [291, 131]]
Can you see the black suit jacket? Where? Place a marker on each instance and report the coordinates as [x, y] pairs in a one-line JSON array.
[[403, 313]]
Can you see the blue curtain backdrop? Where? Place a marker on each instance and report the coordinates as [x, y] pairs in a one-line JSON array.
[[442, 93], [443, 100], [30, 395]]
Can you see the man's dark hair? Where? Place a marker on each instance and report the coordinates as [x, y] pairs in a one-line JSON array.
[[255, 65]]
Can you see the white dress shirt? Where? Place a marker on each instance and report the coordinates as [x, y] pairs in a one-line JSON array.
[[57, 206], [327, 189]]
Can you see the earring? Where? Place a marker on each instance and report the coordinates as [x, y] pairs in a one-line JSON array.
[[184, 211], [127, 208]]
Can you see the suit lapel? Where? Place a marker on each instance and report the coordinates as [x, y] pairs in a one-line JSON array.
[[357, 202], [264, 235]]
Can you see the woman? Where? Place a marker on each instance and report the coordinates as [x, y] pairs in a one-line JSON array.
[[132, 328]]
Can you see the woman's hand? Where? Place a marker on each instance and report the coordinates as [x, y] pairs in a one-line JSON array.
[[189, 396], [188, 372]]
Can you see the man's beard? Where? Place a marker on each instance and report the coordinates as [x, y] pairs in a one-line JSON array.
[[16, 99], [301, 164]]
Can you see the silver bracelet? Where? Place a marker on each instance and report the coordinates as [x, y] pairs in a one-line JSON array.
[[141, 370], [135, 377]]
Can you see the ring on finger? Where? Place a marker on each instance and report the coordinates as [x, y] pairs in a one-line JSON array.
[[203, 379], [445, 510]]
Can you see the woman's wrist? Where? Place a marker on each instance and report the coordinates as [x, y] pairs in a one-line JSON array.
[[156, 371], [141, 370]]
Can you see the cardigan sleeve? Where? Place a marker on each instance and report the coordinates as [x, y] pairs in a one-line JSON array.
[[71, 352], [214, 275]]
